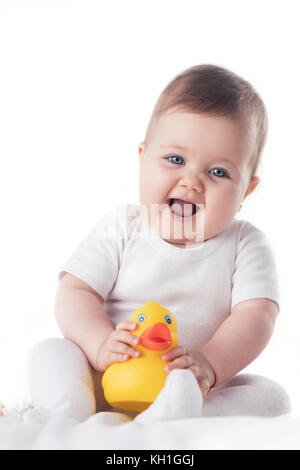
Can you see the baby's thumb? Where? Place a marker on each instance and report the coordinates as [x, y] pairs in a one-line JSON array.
[[204, 387]]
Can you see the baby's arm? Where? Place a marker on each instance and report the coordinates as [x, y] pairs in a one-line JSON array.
[[82, 319], [241, 338]]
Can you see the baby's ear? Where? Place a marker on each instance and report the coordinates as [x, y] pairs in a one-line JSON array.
[[141, 149], [254, 182]]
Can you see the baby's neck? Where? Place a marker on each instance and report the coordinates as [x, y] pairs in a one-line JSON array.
[[184, 245]]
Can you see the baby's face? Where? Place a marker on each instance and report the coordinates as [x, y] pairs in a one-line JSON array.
[[200, 159]]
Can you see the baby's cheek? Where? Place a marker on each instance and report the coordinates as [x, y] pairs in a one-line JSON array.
[[217, 218]]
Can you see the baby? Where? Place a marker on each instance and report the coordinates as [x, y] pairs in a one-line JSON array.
[[183, 248]]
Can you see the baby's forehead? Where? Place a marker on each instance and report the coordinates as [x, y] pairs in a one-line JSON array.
[[203, 134], [186, 129], [182, 119]]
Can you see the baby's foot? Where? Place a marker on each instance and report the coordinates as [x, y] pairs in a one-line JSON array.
[[36, 415], [41, 416], [181, 398]]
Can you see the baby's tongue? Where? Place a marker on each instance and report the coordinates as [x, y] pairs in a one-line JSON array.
[[182, 208]]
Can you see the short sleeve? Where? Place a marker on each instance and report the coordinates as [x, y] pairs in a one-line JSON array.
[[97, 259], [255, 273]]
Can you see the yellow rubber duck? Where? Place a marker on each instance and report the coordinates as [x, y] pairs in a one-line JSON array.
[[133, 385]]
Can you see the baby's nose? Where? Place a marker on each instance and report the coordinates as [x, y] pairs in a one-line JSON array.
[[192, 183]]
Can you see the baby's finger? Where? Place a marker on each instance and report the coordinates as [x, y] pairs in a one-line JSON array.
[[109, 358], [204, 386], [126, 325], [193, 368], [126, 337], [116, 357], [173, 353], [119, 347], [182, 362]]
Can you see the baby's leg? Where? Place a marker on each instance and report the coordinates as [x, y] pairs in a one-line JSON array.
[[61, 382], [248, 395], [244, 394], [181, 398]]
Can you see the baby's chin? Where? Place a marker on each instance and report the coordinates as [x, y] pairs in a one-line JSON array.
[[184, 233], [180, 236], [183, 238]]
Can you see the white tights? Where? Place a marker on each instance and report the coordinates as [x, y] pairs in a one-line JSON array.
[[63, 384]]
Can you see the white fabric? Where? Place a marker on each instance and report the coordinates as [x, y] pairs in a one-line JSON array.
[[115, 432], [200, 286], [180, 398], [61, 380], [62, 383], [128, 264]]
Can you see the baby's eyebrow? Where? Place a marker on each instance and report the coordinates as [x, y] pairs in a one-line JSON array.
[[180, 147], [234, 168], [227, 162]]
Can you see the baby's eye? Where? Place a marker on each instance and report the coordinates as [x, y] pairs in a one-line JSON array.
[[219, 173], [175, 159], [141, 317]]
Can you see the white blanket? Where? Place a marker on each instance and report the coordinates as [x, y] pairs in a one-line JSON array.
[[115, 431]]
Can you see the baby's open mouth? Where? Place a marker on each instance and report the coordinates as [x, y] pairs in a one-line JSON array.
[[182, 208]]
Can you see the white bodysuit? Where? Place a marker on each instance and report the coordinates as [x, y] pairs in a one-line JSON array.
[[128, 264]]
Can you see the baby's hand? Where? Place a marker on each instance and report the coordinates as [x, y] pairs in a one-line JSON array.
[[117, 348], [181, 358]]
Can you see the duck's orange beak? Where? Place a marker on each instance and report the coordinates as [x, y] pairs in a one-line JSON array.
[[157, 337]]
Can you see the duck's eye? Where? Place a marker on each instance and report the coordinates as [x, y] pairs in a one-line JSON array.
[[141, 317], [168, 319]]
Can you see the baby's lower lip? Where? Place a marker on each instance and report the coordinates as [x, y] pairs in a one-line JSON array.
[[181, 217]]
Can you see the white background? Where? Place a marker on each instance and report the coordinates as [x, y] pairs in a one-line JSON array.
[[78, 81]]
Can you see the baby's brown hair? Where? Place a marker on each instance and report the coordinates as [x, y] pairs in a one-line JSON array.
[[216, 91]]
